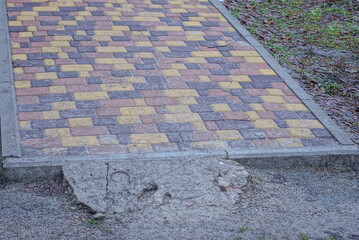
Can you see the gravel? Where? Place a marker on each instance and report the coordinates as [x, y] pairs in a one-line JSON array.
[[277, 204]]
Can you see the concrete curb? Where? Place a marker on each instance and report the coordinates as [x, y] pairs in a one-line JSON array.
[[31, 169], [10, 139], [292, 84]]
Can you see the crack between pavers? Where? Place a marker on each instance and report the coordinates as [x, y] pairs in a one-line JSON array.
[[108, 197]]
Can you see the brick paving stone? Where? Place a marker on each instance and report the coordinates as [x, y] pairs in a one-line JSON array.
[[154, 77]]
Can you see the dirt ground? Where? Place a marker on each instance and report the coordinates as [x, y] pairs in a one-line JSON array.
[[278, 204]]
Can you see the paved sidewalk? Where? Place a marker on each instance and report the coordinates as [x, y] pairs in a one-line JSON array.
[[133, 76]]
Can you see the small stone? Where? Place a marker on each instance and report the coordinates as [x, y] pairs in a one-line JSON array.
[[223, 182], [99, 216]]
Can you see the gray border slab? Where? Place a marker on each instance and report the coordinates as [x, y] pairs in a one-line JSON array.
[[10, 139], [235, 154], [282, 73]]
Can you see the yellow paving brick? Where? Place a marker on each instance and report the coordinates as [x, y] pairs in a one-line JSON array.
[[62, 38], [228, 135], [178, 109], [296, 107], [169, 28], [289, 142], [264, 123], [257, 107], [178, 10], [143, 55], [79, 67], [229, 85], [244, 53], [144, 44], [202, 19], [22, 84], [26, 18], [15, 23], [275, 92], [79, 141], [254, 59], [110, 49], [20, 57], [303, 123], [90, 95], [195, 38], [171, 72], [267, 72], [62, 4], [116, 87], [45, 9], [101, 38], [84, 74], [128, 119], [180, 93], [67, 23], [107, 140], [210, 145], [57, 89], [207, 54], [199, 126], [51, 49], [137, 111], [187, 100], [162, 49], [197, 60], [300, 132], [148, 19], [221, 108], [66, 105], [139, 148], [272, 99], [123, 67], [192, 23], [204, 78], [134, 79], [252, 115], [32, 28], [240, 78], [15, 45], [153, 138], [59, 44], [48, 75], [178, 66], [175, 43], [57, 132], [50, 115], [49, 62], [25, 125], [111, 61], [108, 33], [182, 117], [63, 55], [139, 102], [18, 70], [80, 122]]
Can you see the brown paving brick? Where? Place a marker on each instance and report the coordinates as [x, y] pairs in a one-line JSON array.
[[203, 136], [276, 133], [88, 131]]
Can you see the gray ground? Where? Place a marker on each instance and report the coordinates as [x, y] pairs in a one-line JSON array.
[[278, 204]]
